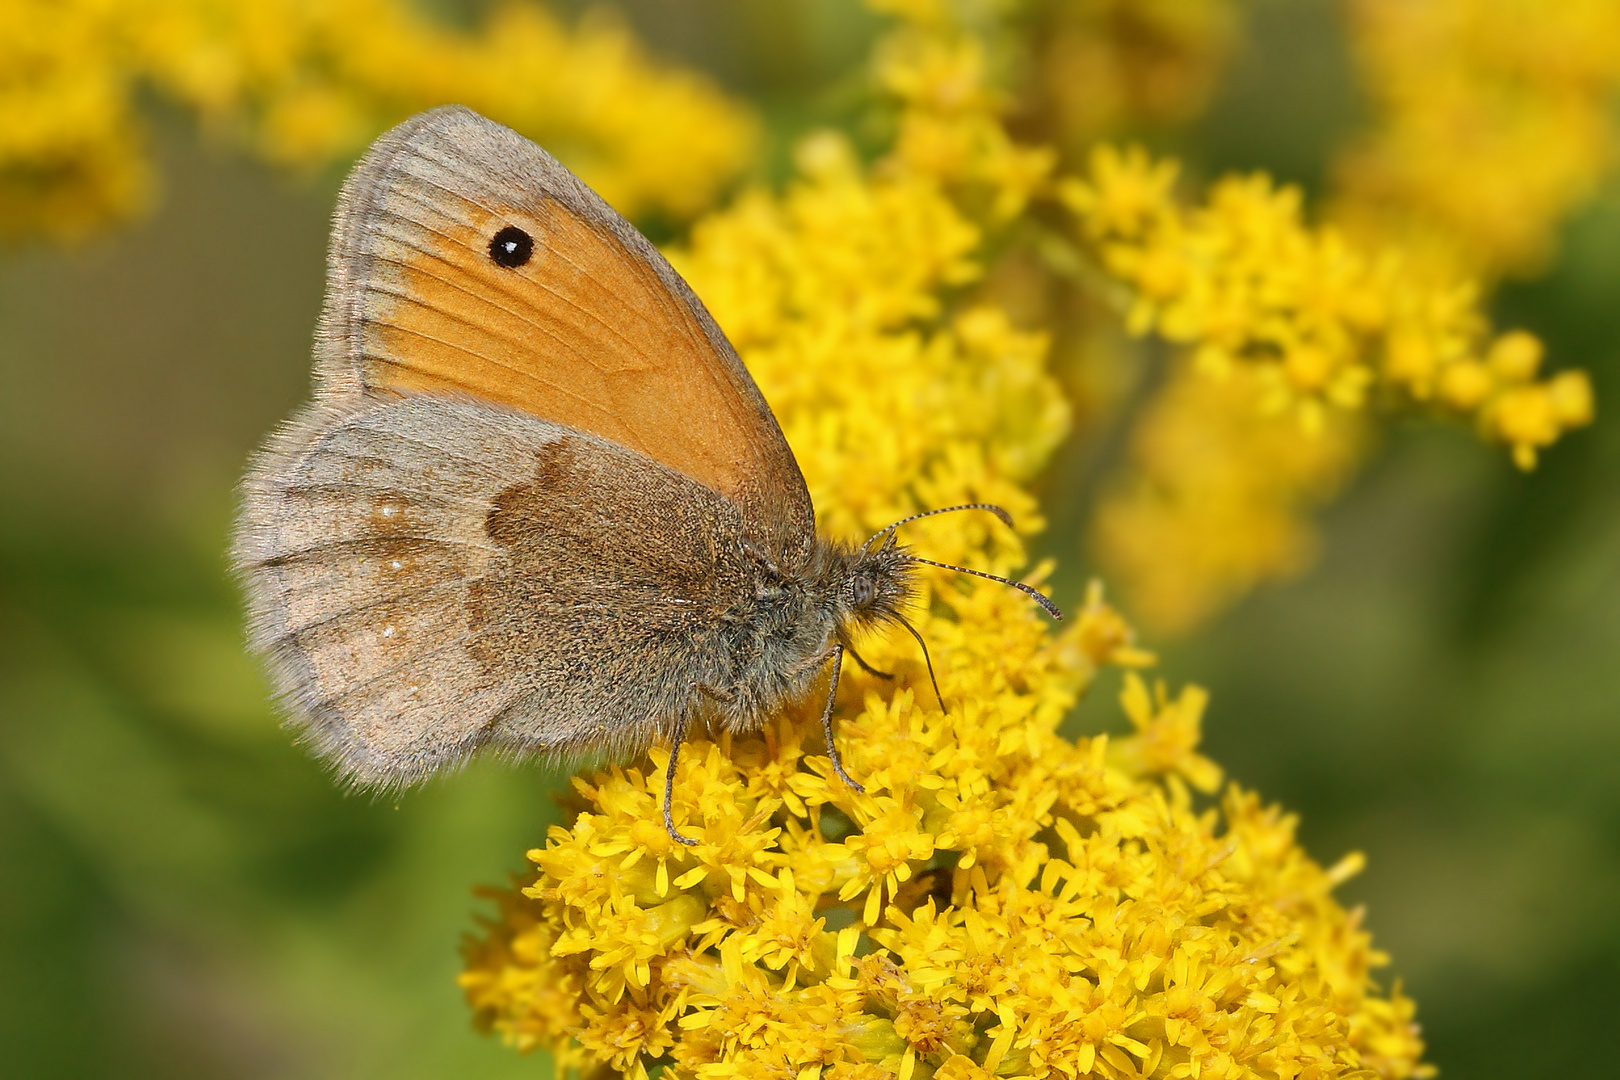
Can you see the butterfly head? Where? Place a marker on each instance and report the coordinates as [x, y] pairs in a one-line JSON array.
[[877, 585], [880, 578]]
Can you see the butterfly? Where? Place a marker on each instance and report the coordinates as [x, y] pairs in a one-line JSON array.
[[536, 504]]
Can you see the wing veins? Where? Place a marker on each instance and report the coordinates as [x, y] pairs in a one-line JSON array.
[[562, 300], [474, 391], [508, 339]]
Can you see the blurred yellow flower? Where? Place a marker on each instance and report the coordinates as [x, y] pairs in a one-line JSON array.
[[1321, 322], [1279, 320], [1217, 497], [308, 82], [949, 127], [1101, 66], [1492, 121]]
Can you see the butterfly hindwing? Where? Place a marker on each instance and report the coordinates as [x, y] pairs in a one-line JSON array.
[[429, 575]]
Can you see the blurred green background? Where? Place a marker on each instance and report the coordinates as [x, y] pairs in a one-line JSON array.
[[184, 894]]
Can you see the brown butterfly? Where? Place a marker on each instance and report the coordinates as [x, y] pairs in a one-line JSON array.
[[537, 504]]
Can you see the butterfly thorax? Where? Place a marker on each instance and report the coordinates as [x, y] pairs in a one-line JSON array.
[[780, 638]]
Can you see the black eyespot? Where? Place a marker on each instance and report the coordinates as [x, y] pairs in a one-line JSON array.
[[511, 247], [861, 590]]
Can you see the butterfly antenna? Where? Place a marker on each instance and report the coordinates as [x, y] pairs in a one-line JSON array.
[[929, 660], [1028, 590], [1006, 518]]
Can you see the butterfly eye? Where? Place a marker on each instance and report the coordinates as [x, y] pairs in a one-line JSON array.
[[511, 247], [861, 590]]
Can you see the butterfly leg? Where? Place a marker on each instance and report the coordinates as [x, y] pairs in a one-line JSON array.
[[826, 721], [868, 668], [669, 790]]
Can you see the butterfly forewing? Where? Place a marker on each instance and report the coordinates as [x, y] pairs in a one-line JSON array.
[[589, 328]]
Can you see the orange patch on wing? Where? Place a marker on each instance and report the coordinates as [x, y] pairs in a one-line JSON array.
[[584, 334]]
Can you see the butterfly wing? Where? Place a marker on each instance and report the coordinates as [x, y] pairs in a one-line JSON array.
[[592, 329], [429, 575]]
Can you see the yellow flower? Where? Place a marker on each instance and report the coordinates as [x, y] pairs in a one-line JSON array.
[[1105, 65], [950, 129], [1243, 281], [1106, 638], [1167, 735], [1288, 320], [1005, 902], [833, 295], [306, 82], [69, 155], [1532, 417], [1127, 192]]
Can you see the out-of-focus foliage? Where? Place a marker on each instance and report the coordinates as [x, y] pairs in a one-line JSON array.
[[310, 82], [183, 894], [1109, 65]]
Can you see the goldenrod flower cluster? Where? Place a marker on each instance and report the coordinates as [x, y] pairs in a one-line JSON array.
[[1290, 334], [949, 128], [1000, 901], [1493, 120], [1279, 321], [308, 82], [1489, 128], [833, 296], [1331, 328], [1243, 281]]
